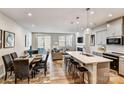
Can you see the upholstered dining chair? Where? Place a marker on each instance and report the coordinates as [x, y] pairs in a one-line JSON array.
[[41, 65], [35, 51], [21, 69], [41, 50], [8, 63], [14, 55]]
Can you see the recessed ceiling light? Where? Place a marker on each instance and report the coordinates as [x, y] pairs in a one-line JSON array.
[[77, 22], [110, 15], [92, 12], [29, 14], [33, 25]]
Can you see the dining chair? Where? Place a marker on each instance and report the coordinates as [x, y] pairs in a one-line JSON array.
[[14, 55], [41, 50], [35, 51], [21, 69], [41, 65], [8, 63]]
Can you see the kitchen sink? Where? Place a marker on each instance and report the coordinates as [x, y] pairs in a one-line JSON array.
[[89, 55]]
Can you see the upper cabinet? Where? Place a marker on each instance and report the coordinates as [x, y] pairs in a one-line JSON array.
[[100, 34], [114, 27], [101, 37]]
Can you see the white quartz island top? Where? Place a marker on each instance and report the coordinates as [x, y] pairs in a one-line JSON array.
[[88, 59]]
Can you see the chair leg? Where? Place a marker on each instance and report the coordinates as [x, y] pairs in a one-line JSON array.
[[74, 73], [28, 80], [88, 78], [15, 80], [83, 77], [70, 69], [5, 75], [45, 72], [32, 73], [11, 72]]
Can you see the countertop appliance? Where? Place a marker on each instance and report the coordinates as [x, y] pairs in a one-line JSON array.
[[115, 57]]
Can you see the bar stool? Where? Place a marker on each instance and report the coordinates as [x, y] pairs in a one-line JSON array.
[[66, 63], [82, 71], [73, 67]]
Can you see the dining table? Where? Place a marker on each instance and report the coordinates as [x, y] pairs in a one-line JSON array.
[[32, 60]]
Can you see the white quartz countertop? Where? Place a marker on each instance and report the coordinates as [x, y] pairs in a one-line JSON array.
[[88, 59]]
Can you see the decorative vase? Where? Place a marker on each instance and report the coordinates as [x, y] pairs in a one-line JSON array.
[[30, 51]]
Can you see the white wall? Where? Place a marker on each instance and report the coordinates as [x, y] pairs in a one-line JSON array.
[[9, 25]]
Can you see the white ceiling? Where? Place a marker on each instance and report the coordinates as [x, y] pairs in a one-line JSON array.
[[59, 19]]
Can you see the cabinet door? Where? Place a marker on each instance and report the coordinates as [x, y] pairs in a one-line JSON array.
[[115, 28], [101, 37], [121, 66]]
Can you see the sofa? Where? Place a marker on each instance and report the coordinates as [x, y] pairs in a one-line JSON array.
[[57, 54]]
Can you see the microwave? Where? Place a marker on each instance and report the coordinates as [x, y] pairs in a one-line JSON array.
[[115, 40]]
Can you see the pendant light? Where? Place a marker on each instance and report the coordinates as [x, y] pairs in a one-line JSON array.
[[87, 26]]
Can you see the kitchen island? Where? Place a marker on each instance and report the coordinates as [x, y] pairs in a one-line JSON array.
[[98, 67]]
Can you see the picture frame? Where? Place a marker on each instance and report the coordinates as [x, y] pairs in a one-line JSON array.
[[9, 39], [1, 38], [92, 40]]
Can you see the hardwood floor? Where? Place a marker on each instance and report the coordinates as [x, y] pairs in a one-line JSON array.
[[56, 75], [60, 77]]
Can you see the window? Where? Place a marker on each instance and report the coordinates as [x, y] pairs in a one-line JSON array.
[[40, 42], [69, 40], [44, 42], [62, 41], [47, 41]]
